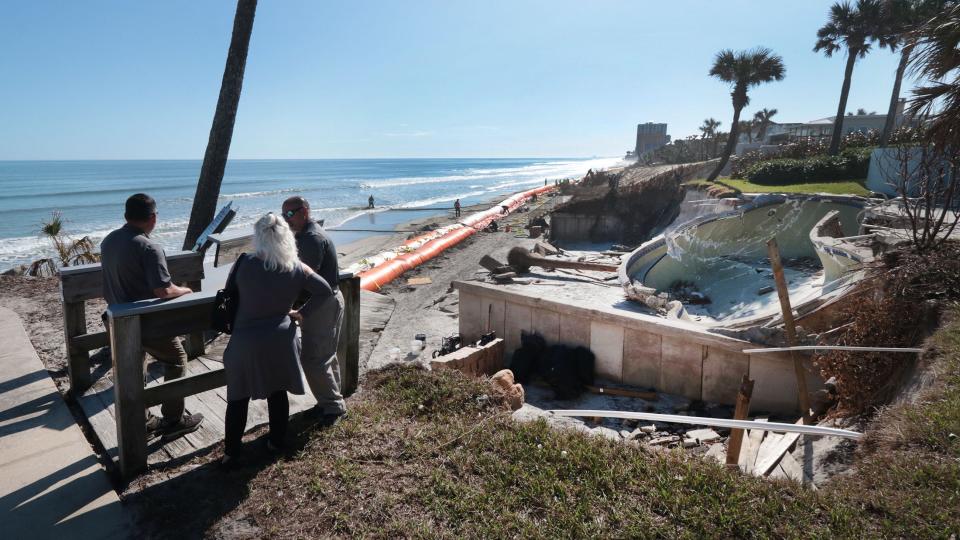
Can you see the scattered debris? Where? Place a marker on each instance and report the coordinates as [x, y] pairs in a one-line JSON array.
[[705, 435], [521, 260], [664, 440], [419, 281], [503, 379]]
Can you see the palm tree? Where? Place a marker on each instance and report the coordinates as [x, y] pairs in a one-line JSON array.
[[900, 18], [221, 132], [763, 119], [938, 65], [69, 252], [851, 27], [746, 126], [709, 131], [743, 70]]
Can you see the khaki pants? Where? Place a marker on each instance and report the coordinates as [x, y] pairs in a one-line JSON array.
[[170, 353], [320, 334]]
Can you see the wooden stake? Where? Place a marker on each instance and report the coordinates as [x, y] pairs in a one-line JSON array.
[[789, 326], [740, 413]]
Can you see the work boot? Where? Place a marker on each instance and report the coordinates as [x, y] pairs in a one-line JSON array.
[[188, 423]]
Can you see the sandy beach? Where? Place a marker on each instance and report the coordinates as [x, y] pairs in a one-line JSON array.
[[37, 300]]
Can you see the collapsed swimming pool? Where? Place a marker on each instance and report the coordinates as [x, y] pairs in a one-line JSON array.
[[717, 265]]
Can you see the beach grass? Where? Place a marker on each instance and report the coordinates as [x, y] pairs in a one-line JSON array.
[[840, 187]]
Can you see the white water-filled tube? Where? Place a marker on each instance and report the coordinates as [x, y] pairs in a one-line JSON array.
[[717, 265]]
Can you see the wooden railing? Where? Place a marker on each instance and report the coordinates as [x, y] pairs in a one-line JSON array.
[[130, 323], [85, 282]]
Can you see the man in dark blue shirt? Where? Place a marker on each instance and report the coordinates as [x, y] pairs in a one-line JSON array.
[[320, 332], [135, 268]]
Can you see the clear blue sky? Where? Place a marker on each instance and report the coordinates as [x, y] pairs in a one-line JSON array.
[[444, 78]]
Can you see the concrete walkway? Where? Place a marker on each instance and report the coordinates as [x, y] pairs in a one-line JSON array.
[[51, 485]]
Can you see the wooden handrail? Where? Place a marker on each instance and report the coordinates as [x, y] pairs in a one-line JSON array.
[[85, 282], [133, 322]]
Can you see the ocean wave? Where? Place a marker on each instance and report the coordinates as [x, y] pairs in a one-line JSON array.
[[547, 170], [252, 194]]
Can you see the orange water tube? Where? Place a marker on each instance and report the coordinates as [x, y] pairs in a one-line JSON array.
[[375, 278]]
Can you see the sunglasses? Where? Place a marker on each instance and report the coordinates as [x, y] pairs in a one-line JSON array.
[[290, 213]]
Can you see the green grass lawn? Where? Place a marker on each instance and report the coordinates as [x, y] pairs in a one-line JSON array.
[[435, 454], [841, 187]]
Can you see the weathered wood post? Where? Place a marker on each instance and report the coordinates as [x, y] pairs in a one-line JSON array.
[[348, 349], [789, 326], [195, 346], [740, 413], [127, 355], [78, 359]]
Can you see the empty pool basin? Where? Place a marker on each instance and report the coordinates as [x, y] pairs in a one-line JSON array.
[[717, 264]]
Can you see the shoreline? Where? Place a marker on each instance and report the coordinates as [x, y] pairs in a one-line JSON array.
[[371, 243]]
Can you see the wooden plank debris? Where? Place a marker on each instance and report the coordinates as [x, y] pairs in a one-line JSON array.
[[748, 454], [789, 325], [740, 413], [770, 453]]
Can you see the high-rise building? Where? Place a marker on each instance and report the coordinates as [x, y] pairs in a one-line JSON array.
[[650, 136]]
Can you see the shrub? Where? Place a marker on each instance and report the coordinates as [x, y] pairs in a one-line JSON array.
[[850, 164]]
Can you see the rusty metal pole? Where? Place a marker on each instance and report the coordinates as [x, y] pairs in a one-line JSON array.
[[789, 326], [740, 413]]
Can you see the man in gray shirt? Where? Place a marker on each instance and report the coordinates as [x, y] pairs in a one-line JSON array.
[[135, 268], [321, 330]]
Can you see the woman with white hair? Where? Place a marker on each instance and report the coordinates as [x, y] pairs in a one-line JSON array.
[[263, 356]]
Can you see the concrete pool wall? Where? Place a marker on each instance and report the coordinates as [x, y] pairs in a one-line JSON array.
[[670, 356]]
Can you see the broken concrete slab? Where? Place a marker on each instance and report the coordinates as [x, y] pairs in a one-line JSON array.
[[705, 435]]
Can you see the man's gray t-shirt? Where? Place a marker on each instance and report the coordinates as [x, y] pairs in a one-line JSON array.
[[133, 266], [316, 249]]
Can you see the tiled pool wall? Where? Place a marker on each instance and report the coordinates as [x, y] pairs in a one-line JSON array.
[[631, 348]]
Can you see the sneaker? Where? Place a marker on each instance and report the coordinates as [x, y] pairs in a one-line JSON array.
[[154, 424], [188, 424]]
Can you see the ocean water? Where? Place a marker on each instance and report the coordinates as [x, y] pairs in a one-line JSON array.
[[90, 194]]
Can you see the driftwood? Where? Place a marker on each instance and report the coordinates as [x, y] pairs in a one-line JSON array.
[[521, 259]]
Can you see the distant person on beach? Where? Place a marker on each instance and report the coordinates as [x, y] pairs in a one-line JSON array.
[[321, 330], [262, 358], [370, 202], [456, 207], [135, 268]]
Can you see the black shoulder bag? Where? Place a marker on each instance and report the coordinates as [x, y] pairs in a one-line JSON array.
[[225, 306]]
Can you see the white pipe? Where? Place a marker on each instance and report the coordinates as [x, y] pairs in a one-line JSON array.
[[715, 422], [834, 348]]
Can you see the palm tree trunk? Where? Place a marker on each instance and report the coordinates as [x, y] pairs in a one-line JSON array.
[[895, 96], [731, 144], [221, 132], [842, 107]]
